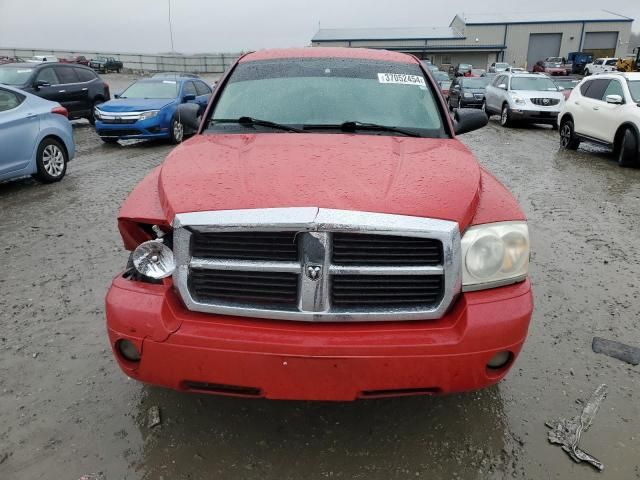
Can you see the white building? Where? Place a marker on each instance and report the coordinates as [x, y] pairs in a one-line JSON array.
[[481, 39]]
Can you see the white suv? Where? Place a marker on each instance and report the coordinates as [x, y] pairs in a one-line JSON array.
[[527, 97], [604, 109], [601, 65]]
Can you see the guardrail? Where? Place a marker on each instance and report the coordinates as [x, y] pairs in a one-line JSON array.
[[208, 63]]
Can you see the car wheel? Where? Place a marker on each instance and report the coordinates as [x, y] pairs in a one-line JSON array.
[[51, 161], [505, 116], [91, 118], [627, 149], [109, 140], [177, 132], [568, 138], [485, 109]]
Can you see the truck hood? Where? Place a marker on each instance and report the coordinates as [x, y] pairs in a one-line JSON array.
[[435, 178], [135, 104]]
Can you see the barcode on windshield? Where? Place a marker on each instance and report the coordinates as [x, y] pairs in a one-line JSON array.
[[402, 79]]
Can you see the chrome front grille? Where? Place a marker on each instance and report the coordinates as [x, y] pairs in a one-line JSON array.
[[545, 102], [314, 264]]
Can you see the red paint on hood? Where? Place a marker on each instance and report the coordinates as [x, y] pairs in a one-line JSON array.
[[436, 178]]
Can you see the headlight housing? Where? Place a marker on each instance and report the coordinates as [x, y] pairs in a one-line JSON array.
[[518, 100], [154, 259], [97, 114], [149, 114], [494, 255]]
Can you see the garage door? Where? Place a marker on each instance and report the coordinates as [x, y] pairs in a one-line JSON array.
[[600, 44], [543, 45]]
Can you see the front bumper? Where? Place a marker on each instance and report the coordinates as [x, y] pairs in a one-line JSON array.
[[471, 102], [141, 129], [226, 355], [535, 116]]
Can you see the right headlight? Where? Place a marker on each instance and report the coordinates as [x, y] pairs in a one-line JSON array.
[[495, 254]]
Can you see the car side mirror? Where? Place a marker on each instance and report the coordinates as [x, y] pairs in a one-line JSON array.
[[560, 89], [41, 83], [116, 95], [614, 99], [457, 87], [468, 120], [503, 86], [189, 98]]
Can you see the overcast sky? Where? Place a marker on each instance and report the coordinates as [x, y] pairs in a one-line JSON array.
[[235, 25]]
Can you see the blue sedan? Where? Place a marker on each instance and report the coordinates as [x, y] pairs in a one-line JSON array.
[[35, 137], [150, 109]]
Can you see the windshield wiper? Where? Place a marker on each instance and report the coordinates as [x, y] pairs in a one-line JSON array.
[[353, 126], [250, 122]]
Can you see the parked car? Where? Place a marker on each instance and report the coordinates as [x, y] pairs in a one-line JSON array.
[[78, 60], [461, 69], [78, 89], [604, 110], [566, 85], [35, 135], [443, 81], [601, 65], [174, 74], [467, 92], [445, 88], [309, 199], [106, 64], [576, 61], [553, 68], [148, 109], [498, 67], [42, 58], [4, 60], [523, 97]]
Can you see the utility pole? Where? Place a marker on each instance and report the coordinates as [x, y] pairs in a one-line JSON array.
[[170, 27]]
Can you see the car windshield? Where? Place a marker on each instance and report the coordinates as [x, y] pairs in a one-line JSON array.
[[533, 83], [481, 82], [502, 65], [440, 76], [329, 92], [465, 66], [554, 60], [15, 75], [634, 88], [163, 89], [551, 64]]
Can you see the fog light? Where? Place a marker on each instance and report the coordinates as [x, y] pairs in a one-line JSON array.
[[499, 360], [128, 350]]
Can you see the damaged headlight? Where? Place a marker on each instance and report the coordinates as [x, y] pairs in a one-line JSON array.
[[495, 254], [154, 259]]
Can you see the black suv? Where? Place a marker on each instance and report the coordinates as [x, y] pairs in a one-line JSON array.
[[467, 92], [78, 89]]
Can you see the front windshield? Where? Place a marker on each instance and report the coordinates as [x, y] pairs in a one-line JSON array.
[[465, 66], [538, 84], [15, 75], [481, 82], [551, 64], [634, 88], [502, 65], [329, 92], [163, 89], [440, 76]]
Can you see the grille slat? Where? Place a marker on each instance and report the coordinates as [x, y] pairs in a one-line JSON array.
[[385, 290], [385, 250], [266, 246], [244, 287]]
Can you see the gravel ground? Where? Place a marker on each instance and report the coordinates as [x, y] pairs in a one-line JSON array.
[[67, 410]]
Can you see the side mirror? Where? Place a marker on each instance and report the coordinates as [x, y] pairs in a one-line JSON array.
[[116, 95], [560, 89], [468, 120], [503, 86], [614, 99], [41, 83], [456, 87], [189, 98]]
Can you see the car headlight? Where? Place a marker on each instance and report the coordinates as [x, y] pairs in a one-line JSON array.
[[154, 259], [468, 95], [495, 254], [518, 100], [149, 114], [97, 114]]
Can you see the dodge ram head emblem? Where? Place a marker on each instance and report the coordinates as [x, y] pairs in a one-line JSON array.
[[313, 271]]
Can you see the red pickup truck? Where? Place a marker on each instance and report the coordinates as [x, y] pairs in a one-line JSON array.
[[324, 236]]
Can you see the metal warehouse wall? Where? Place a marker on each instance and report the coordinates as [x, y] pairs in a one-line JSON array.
[[214, 63], [518, 37]]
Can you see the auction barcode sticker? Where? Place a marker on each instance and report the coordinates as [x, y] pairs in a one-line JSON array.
[[402, 79]]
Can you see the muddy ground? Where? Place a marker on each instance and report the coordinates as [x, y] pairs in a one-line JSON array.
[[66, 409]]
